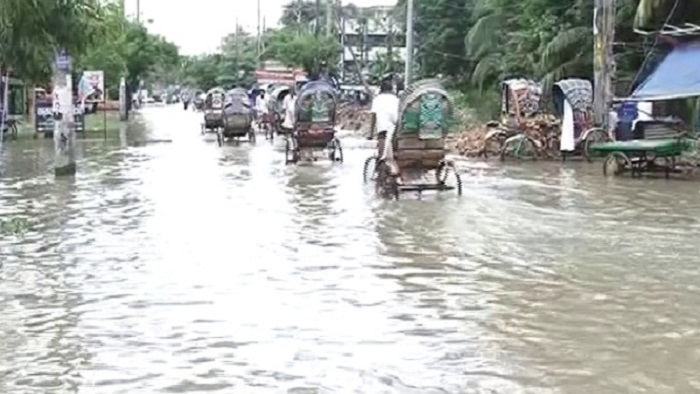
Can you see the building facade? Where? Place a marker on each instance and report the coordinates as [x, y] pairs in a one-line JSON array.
[[374, 42]]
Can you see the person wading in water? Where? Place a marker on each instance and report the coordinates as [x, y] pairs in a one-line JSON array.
[[385, 113]]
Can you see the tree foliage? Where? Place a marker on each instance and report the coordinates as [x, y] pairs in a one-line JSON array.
[[31, 31], [479, 43], [95, 34], [295, 44], [126, 48], [302, 49], [233, 65]]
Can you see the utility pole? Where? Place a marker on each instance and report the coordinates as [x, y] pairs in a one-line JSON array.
[[123, 91], [5, 74], [342, 45], [390, 42], [318, 18], [64, 127], [329, 18], [408, 73], [235, 38], [138, 11], [259, 37], [604, 60]]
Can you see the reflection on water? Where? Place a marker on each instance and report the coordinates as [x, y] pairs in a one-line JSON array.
[[190, 268]]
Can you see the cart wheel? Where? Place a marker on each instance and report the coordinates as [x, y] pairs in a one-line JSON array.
[[336, 154], [553, 147], [669, 165], [251, 136], [366, 174], [444, 170], [220, 138], [387, 184], [592, 137], [616, 163], [494, 145], [291, 154], [520, 147]]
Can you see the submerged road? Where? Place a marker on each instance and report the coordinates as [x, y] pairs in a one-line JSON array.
[[187, 268]]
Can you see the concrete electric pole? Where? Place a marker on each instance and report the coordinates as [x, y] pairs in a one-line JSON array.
[[604, 59], [329, 17], [64, 126], [317, 20], [408, 73], [259, 44]]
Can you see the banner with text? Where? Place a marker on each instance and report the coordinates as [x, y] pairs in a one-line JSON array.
[[44, 117]]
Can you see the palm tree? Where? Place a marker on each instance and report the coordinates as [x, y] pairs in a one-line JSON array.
[[656, 12]]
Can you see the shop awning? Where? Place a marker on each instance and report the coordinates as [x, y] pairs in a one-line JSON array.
[[676, 77]]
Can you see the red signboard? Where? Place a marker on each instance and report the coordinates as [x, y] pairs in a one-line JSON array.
[[264, 76]]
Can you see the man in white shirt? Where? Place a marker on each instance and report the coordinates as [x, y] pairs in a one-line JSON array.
[[261, 108], [385, 108], [288, 104]]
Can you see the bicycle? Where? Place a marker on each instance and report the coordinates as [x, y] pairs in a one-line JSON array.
[[10, 129]]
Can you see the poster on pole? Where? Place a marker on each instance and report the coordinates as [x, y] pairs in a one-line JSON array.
[[92, 87], [44, 118], [63, 61]]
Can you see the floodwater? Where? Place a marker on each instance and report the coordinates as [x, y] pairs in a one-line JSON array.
[[187, 268]]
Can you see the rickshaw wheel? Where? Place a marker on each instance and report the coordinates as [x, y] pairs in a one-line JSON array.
[[220, 138], [593, 136], [251, 136], [442, 173], [13, 130], [616, 163], [372, 160], [522, 144], [386, 183], [291, 153], [496, 141], [336, 151], [553, 147]]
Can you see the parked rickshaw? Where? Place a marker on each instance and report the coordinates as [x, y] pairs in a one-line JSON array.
[[275, 113], [578, 94], [314, 124], [237, 117], [198, 100], [419, 144], [214, 110], [520, 103], [520, 100]]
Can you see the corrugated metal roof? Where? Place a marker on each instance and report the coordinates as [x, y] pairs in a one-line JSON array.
[[677, 76]]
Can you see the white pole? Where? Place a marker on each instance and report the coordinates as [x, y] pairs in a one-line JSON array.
[[5, 105], [259, 44], [408, 73], [64, 127]]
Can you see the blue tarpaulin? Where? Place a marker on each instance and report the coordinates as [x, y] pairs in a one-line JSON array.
[[676, 77]]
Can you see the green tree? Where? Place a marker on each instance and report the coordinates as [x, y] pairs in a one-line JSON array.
[[304, 50], [31, 31], [108, 52], [478, 43], [233, 65]]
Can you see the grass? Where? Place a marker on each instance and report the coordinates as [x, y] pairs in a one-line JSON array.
[[94, 126]]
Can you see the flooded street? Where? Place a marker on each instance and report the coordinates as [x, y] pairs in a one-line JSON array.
[[184, 267]]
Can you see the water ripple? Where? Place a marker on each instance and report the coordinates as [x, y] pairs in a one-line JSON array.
[[189, 268]]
